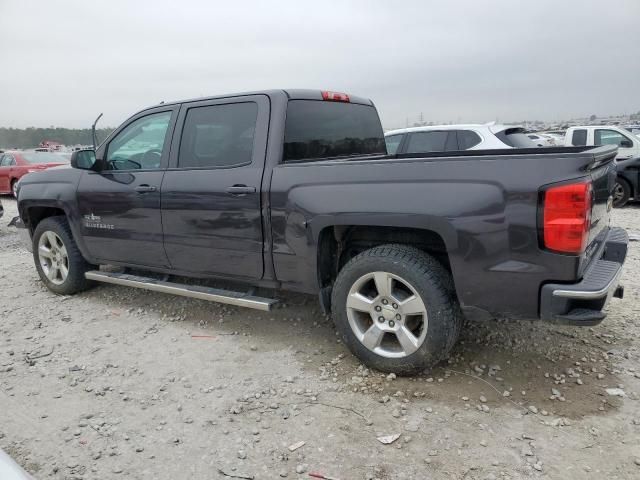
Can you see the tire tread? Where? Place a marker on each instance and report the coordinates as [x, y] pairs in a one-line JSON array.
[[428, 267]]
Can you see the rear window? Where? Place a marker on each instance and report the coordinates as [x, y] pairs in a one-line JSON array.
[[516, 138], [317, 130], [579, 138], [468, 139], [45, 157]]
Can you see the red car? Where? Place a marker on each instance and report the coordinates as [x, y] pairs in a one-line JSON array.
[[14, 164]]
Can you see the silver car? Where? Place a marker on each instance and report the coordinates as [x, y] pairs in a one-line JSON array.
[[10, 470]]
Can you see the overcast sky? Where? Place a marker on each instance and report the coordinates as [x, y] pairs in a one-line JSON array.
[[63, 62]]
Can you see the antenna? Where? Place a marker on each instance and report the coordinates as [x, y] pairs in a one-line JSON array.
[[93, 132]]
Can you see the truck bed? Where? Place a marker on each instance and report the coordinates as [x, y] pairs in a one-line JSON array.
[[482, 205]]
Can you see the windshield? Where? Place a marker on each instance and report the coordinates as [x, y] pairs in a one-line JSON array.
[[45, 157], [320, 129]]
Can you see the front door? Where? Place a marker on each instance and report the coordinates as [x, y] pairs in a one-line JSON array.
[[211, 192], [605, 136], [120, 203]]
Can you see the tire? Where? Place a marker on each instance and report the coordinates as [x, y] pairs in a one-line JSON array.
[[415, 277], [14, 191], [53, 234], [622, 193]]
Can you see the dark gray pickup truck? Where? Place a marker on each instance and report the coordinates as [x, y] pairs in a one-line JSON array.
[[294, 190]]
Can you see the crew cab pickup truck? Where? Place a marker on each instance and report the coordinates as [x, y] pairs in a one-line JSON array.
[[294, 190]]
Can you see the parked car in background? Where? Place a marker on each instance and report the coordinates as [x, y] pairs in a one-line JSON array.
[[451, 138], [628, 147], [542, 139], [557, 135], [628, 182], [635, 129], [14, 164]]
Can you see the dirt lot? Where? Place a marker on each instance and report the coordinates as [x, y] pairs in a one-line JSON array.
[[119, 383]]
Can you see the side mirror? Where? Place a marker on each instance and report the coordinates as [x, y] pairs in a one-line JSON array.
[[626, 144], [83, 159]]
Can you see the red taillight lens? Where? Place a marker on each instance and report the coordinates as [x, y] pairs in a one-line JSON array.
[[335, 97], [567, 217]]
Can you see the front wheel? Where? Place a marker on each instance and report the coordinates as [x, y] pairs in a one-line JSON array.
[[14, 188], [621, 193], [396, 310], [60, 264]]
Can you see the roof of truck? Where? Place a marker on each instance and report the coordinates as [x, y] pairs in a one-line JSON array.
[[290, 93]]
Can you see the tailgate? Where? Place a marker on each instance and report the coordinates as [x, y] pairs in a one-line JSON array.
[[603, 176]]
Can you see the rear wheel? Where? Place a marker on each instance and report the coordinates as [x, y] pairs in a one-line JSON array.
[[396, 310], [59, 262], [621, 193], [14, 188]]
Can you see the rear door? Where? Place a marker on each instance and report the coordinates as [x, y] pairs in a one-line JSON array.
[[211, 192], [120, 205], [4, 173]]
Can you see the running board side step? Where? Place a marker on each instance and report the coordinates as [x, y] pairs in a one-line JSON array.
[[229, 297]]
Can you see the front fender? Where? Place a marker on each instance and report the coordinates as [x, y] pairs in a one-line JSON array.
[[52, 189]]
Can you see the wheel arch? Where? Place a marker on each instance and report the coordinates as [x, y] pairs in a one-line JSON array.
[[337, 244], [33, 215], [629, 183]]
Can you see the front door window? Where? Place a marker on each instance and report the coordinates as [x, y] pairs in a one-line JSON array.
[[139, 145], [610, 137]]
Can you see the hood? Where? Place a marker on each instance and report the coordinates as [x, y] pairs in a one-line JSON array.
[[60, 173], [43, 166]]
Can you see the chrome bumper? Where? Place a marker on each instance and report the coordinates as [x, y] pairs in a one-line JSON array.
[[582, 303]]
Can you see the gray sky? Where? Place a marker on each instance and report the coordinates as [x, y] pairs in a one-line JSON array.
[[63, 62]]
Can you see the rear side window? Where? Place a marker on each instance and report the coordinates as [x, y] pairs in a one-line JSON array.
[[317, 130], [468, 139], [393, 142], [516, 138], [435, 141], [218, 136], [579, 138]]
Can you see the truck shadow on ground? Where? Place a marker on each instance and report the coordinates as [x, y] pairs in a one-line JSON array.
[[532, 366]]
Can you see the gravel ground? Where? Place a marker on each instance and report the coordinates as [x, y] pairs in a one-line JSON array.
[[123, 383]]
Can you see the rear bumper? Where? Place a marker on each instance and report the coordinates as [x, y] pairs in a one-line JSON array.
[[582, 303]]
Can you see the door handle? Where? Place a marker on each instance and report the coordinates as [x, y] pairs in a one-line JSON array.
[[144, 188], [240, 190]]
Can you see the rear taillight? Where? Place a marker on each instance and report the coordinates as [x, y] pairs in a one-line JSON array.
[[567, 217], [335, 97]]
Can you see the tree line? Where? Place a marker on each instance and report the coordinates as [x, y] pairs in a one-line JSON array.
[[31, 137]]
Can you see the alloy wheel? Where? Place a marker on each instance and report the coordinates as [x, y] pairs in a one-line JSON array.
[[53, 257], [387, 314]]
